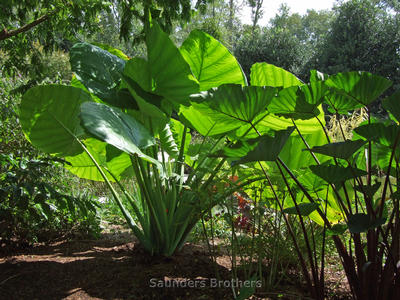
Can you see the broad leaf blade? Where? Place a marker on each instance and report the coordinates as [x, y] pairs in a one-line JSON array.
[[211, 63], [150, 105], [82, 166], [172, 76], [292, 153], [343, 150], [263, 74], [139, 71], [336, 229], [392, 105], [298, 102], [304, 208], [99, 70], [116, 128], [112, 50], [362, 87], [268, 148], [340, 103], [336, 174], [358, 223], [369, 190], [237, 150], [202, 122], [233, 104], [49, 118], [264, 123], [378, 132]]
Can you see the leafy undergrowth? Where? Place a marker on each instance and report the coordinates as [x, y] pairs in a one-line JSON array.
[[116, 267]]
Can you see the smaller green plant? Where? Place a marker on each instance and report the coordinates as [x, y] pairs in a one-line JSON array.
[[347, 185], [34, 208]]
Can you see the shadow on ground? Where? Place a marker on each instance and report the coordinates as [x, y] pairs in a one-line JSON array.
[[106, 269]]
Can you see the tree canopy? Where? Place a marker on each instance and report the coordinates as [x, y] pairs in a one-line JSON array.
[[364, 36], [29, 27]]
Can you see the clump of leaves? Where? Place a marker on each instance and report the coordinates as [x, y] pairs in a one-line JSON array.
[[33, 208]]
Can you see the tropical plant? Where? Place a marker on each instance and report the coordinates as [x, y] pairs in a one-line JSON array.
[[33, 208], [335, 184], [125, 117], [130, 117]]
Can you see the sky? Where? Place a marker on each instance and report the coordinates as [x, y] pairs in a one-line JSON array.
[[271, 7]]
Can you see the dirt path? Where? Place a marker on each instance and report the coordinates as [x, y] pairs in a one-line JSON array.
[[110, 269], [104, 269]]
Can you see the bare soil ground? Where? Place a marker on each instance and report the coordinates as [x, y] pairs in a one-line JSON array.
[[116, 267]]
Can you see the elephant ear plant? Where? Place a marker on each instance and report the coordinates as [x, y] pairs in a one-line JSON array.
[[123, 118], [349, 187]]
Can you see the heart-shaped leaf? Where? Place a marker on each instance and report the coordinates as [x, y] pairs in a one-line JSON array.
[[268, 148], [358, 223], [49, 118], [172, 76], [362, 87], [211, 63], [263, 74], [336, 174], [342, 150]]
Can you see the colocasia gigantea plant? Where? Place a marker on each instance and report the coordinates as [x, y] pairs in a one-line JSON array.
[[124, 117], [130, 117]]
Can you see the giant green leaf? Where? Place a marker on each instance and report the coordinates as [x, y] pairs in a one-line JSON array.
[[312, 94], [342, 150], [263, 74], [82, 165], [49, 118], [203, 123], [172, 76], [310, 209], [211, 63], [294, 156], [336, 174], [237, 150], [392, 105], [341, 103], [268, 148], [369, 190], [139, 71], [362, 87], [99, 71], [112, 50], [117, 128], [309, 180], [233, 104], [378, 132], [338, 102], [358, 223], [150, 105], [264, 123], [336, 229], [299, 102]]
